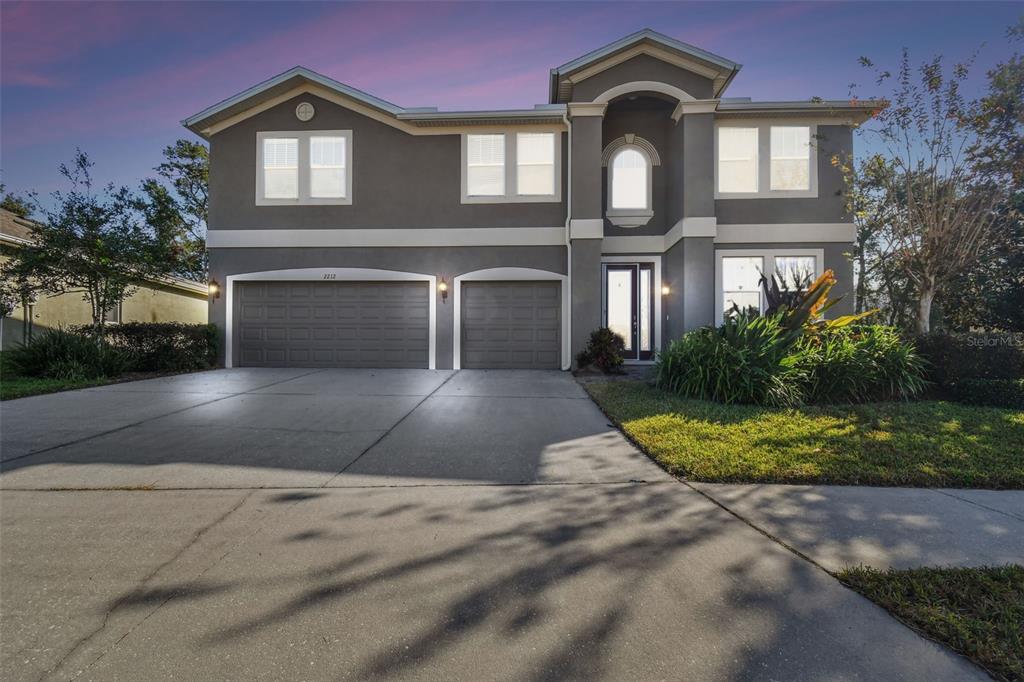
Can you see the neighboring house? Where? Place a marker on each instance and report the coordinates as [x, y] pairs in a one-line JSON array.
[[170, 299], [348, 231]]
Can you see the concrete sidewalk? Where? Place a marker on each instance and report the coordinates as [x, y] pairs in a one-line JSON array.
[[841, 526]]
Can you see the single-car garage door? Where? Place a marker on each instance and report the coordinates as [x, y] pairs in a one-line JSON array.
[[333, 324], [511, 325]]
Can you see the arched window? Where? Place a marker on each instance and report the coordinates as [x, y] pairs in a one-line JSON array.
[[629, 179], [630, 160]]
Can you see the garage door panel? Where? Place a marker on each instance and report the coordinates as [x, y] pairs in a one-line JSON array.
[[511, 325], [334, 324]]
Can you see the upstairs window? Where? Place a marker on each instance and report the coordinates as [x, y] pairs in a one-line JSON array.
[[737, 159], [485, 165], [791, 158], [628, 180], [758, 160], [310, 167], [281, 168], [535, 164], [509, 168]]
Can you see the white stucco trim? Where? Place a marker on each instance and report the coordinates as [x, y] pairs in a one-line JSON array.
[[387, 237], [783, 233], [769, 267], [657, 284], [332, 275], [509, 275], [786, 232], [586, 228], [678, 94]]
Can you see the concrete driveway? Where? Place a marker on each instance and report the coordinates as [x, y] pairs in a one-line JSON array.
[[352, 524]]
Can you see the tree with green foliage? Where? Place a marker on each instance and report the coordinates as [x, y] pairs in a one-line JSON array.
[[97, 243], [15, 203], [939, 213], [991, 294], [178, 204]]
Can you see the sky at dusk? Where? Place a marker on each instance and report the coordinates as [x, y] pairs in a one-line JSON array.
[[116, 78]]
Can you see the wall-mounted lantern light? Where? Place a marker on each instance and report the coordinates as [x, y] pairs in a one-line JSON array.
[[214, 288], [665, 290], [442, 287]]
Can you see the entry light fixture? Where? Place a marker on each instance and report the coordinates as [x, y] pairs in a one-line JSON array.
[[214, 288], [442, 287], [665, 290]]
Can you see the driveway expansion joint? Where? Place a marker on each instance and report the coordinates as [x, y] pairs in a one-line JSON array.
[[979, 504]]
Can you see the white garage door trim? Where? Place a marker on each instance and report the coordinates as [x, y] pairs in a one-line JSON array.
[[331, 275], [507, 275]]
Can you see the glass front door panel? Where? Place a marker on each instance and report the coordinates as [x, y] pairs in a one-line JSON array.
[[646, 275], [629, 306], [620, 304]]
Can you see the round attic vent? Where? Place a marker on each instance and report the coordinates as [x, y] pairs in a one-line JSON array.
[[304, 111]]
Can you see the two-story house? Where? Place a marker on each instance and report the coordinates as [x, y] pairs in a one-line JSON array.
[[346, 231]]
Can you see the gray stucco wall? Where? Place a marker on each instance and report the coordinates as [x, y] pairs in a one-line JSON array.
[[828, 207], [398, 179], [642, 68], [586, 168], [650, 119], [586, 291], [439, 261]]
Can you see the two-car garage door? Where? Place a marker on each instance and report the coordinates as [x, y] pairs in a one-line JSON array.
[[387, 324], [333, 324]]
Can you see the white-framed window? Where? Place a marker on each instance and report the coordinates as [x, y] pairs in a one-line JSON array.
[[629, 180], [535, 164], [737, 160], [510, 167], [485, 165], [307, 167], [791, 158], [765, 160], [738, 274]]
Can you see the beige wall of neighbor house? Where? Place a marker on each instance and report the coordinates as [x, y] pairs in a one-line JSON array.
[[175, 300]]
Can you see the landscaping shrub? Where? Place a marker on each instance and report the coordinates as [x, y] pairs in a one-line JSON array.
[[64, 354], [858, 364], [604, 350], [746, 360], [955, 357], [992, 392], [166, 346]]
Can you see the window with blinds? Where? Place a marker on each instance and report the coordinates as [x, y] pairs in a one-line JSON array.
[[485, 165], [307, 167], [281, 168], [737, 159], [535, 164], [791, 158]]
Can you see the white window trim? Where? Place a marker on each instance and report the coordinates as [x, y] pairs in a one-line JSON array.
[[630, 217], [332, 275], [509, 275], [511, 195], [764, 161], [656, 285], [769, 256], [304, 169]]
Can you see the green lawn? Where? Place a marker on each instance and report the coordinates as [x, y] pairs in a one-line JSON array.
[[12, 387], [976, 611], [925, 443]]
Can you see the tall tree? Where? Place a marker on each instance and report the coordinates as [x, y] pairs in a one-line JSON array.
[[178, 203], [941, 212], [991, 294], [97, 243]]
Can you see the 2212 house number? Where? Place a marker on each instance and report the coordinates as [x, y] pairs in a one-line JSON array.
[[330, 275]]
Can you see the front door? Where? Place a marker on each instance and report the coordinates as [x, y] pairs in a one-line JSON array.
[[629, 306]]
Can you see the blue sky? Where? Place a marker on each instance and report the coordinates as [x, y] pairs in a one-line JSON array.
[[116, 78]]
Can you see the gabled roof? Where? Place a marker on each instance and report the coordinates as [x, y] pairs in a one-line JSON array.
[[720, 69], [402, 117]]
